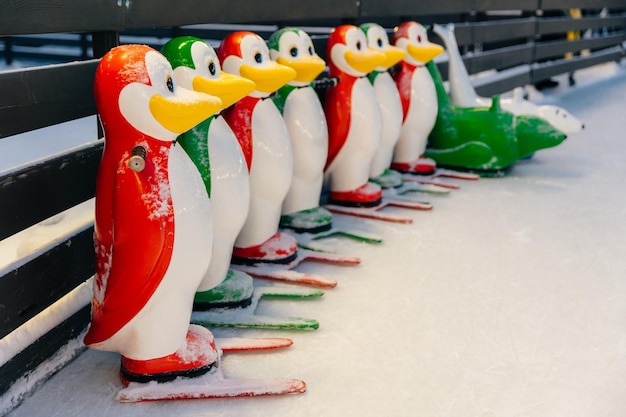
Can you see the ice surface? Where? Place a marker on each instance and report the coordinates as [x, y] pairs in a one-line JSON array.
[[507, 299]]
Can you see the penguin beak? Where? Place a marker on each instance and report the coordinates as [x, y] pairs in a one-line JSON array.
[[393, 55], [424, 53], [180, 113], [307, 69], [268, 78], [365, 62], [229, 88]]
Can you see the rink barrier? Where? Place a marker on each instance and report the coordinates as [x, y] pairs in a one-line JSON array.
[[35, 339]]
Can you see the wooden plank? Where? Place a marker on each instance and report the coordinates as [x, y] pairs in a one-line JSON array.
[[208, 32], [499, 58], [583, 4], [463, 34], [43, 96], [564, 24], [39, 191], [38, 54], [486, 5], [546, 70], [412, 8], [53, 16], [559, 48], [154, 13], [494, 31], [70, 39], [45, 347], [34, 286], [502, 85]]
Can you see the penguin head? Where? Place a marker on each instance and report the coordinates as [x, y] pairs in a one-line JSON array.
[[245, 53], [134, 87], [377, 39], [412, 38], [348, 53], [196, 67], [294, 48]]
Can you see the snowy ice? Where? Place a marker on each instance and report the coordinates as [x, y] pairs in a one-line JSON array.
[[507, 299]]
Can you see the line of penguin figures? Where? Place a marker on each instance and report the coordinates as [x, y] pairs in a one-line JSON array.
[[209, 156]]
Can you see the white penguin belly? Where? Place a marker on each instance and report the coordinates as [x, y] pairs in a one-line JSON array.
[[161, 325], [391, 116], [351, 166], [270, 174], [420, 118], [230, 198], [308, 131]]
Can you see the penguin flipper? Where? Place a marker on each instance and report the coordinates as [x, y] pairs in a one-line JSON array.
[[403, 83], [239, 118], [337, 106]]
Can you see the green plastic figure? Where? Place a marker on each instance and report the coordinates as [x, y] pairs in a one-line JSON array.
[[485, 140]]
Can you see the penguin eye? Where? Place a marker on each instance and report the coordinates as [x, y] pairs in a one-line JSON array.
[[379, 43], [358, 45], [310, 50], [419, 38], [293, 52], [212, 69], [258, 57], [170, 84]]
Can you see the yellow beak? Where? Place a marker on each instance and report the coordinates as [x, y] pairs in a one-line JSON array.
[[393, 55], [268, 78], [229, 88], [366, 61], [307, 69], [179, 114], [424, 53]]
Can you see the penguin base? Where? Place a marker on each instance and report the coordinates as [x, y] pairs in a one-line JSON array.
[[388, 179], [421, 166], [234, 292], [281, 248], [196, 357], [214, 384], [485, 173], [314, 220], [247, 317], [367, 195]]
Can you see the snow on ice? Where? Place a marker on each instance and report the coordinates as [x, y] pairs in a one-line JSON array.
[[507, 299]]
